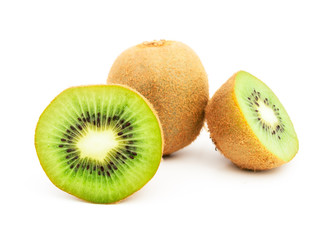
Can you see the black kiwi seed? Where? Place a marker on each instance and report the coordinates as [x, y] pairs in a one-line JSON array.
[[69, 137], [88, 117]]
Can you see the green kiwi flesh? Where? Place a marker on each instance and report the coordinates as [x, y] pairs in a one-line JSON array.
[[266, 116], [99, 143]]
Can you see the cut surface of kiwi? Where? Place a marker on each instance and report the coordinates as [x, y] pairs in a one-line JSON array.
[[266, 116], [249, 125], [100, 143]]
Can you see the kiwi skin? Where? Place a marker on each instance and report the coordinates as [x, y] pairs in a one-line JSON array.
[[232, 135], [86, 200], [171, 76]]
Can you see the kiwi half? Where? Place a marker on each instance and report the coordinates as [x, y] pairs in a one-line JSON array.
[[249, 125], [171, 76], [100, 143]]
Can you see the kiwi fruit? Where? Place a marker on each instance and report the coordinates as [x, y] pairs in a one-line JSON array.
[[249, 125], [171, 76], [94, 142]]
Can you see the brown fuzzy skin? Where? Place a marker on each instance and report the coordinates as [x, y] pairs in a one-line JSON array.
[[171, 76], [231, 133]]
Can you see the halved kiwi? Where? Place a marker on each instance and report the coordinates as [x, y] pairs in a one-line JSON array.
[[100, 143], [249, 125]]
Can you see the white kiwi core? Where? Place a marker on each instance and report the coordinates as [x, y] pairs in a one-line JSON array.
[[267, 114], [97, 144]]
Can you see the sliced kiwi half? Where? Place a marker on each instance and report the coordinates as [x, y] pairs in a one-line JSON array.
[[249, 125], [100, 143]]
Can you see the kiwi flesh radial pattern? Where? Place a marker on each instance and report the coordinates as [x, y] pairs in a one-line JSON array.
[[100, 143], [249, 125]]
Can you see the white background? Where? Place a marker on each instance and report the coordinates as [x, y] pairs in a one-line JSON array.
[[48, 46]]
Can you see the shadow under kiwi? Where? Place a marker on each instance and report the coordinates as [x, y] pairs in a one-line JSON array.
[[212, 158]]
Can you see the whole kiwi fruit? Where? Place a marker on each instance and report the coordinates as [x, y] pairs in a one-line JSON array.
[[171, 76], [249, 125]]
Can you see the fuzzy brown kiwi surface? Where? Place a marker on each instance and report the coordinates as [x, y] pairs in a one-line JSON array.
[[171, 76]]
